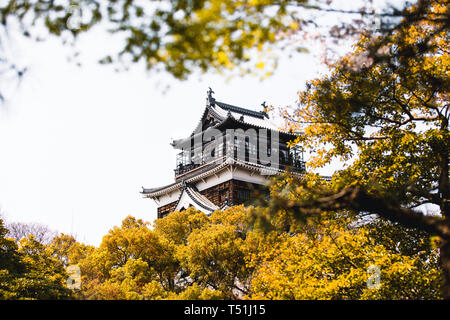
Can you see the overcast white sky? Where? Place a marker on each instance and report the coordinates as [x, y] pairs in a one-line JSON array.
[[77, 143]]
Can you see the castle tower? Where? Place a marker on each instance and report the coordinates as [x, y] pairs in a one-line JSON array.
[[231, 153]]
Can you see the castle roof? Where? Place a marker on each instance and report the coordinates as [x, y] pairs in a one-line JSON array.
[[206, 171], [190, 196], [221, 115]]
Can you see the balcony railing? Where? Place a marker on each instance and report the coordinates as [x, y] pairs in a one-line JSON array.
[[183, 168], [292, 165]]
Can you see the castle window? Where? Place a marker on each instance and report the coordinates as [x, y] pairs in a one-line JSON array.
[[243, 195]]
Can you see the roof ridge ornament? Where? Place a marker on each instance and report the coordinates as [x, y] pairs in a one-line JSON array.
[[264, 111], [210, 99]]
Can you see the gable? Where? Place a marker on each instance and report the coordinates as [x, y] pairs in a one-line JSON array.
[[190, 197]]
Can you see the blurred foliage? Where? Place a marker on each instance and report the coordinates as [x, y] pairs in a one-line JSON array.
[[184, 36]]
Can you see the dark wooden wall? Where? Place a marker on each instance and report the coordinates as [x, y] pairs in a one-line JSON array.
[[235, 191]]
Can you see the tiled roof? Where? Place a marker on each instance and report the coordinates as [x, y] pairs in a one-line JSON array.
[[227, 161], [200, 200], [245, 116], [153, 190], [222, 111], [240, 110]]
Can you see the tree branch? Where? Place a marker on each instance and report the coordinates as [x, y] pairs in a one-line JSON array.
[[355, 198]]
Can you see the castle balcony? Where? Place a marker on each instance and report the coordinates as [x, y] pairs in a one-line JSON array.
[[291, 162]]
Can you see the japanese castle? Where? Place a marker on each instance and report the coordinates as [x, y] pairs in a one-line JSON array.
[[231, 153]]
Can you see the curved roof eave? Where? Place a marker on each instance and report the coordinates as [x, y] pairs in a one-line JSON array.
[[228, 162]]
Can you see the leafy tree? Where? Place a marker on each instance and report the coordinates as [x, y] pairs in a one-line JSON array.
[[10, 263], [227, 256], [337, 262], [29, 271], [111, 270], [385, 110], [45, 277], [214, 257], [179, 225], [135, 262], [67, 250]]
